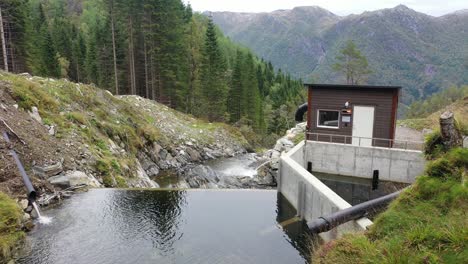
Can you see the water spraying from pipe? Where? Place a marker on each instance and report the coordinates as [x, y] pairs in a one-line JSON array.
[[42, 219]]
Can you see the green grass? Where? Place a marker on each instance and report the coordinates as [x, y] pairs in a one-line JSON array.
[[426, 224], [10, 226]]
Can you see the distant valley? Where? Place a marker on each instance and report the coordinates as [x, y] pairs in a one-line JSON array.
[[422, 53]]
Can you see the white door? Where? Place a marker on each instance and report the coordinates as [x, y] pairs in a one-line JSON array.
[[363, 125]]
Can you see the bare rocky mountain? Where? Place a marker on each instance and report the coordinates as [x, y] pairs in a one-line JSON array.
[[422, 53]]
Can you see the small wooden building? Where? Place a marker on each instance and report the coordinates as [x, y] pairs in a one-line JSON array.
[[353, 114]]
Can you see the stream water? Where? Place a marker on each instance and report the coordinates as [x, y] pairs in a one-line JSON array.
[[156, 226]]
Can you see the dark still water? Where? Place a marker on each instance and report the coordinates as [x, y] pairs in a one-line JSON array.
[[128, 226], [356, 190]]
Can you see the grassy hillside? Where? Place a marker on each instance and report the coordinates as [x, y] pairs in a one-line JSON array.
[[404, 47], [426, 224], [459, 108], [116, 139]]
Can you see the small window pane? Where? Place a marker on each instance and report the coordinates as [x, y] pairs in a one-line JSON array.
[[328, 118]]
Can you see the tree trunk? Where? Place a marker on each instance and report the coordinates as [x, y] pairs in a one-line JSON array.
[[114, 51], [2, 36], [146, 70], [451, 137]]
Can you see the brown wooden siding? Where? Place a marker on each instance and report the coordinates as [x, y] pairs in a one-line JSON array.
[[330, 98]]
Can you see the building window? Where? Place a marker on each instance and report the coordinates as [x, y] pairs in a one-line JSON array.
[[328, 119]]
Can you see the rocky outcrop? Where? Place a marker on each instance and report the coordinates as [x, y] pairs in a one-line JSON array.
[[141, 179], [284, 144]]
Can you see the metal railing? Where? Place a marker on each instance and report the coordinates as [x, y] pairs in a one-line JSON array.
[[366, 141]]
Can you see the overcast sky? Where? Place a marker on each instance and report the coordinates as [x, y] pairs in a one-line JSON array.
[[339, 7]]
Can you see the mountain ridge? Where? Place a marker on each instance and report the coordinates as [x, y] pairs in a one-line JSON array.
[[420, 52]]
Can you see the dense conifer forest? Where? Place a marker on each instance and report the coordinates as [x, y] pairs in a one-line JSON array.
[[158, 49]]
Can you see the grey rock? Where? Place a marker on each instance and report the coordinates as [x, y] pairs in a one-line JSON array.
[[34, 113], [48, 170], [194, 155], [51, 130], [26, 217], [24, 204], [465, 142], [141, 179], [73, 178]]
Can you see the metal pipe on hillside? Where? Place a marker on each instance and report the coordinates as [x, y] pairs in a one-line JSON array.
[[326, 223], [301, 110], [32, 195]]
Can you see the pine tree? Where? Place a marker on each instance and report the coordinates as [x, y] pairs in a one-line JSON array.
[[213, 81], [352, 63]]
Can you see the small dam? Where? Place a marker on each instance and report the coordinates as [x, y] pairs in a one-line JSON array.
[[305, 170]]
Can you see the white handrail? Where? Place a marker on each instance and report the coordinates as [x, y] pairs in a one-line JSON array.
[[392, 143]]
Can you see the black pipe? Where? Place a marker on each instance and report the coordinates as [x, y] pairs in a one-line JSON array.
[[326, 223], [32, 195], [300, 112]]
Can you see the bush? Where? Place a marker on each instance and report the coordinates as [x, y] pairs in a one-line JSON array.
[[433, 147], [103, 167]]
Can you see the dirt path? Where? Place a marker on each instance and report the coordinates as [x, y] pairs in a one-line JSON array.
[[408, 134]]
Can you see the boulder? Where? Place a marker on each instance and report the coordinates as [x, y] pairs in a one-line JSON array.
[[73, 178], [24, 204], [194, 155], [465, 142], [34, 113], [48, 170]]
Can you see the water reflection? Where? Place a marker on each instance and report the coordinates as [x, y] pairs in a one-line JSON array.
[[294, 228], [123, 226]]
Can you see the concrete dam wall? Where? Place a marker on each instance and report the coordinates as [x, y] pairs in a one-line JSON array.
[[396, 165], [312, 198]]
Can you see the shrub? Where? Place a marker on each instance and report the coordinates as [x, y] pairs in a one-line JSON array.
[[433, 147], [121, 182], [103, 167], [108, 181]]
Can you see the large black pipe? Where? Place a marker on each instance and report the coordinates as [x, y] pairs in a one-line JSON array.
[[32, 195], [301, 110], [326, 223]]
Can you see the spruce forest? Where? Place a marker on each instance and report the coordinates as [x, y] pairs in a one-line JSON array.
[[158, 49]]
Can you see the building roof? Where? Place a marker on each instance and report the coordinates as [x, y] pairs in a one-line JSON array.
[[349, 86]]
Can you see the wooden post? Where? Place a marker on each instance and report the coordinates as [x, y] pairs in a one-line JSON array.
[[2, 36], [451, 137]]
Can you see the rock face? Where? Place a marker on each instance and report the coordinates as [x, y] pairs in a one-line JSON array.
[[73, 178], [283, 144], [142, 180], [204, 177]]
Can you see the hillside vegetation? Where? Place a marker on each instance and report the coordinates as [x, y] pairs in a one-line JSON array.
[[10, 228], [421, 53], [117, 141], [425, 113]]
